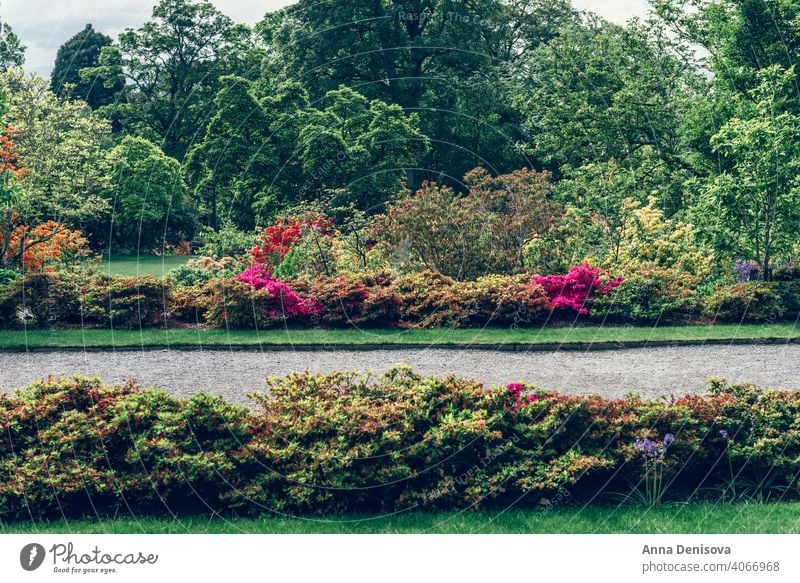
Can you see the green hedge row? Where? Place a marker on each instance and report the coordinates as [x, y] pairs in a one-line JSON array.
[[345, 443], [374, 300]]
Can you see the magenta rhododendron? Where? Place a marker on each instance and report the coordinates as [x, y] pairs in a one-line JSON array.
[[287, 301], [574, 290], [515, 389]]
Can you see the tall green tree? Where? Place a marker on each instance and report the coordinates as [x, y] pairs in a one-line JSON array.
[[264, 152], [752, 209], [599, 91], [61, 145], [232, 167], [81, 52], [172, 65], [147, 197], [741, 37], [448, 61], [12, 51]]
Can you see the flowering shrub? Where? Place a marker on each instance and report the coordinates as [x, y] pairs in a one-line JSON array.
[[280, 238], [254, 297], [365, 300], [746, 270], [287, 304], [346, 443], [575, 290], [45, 246]]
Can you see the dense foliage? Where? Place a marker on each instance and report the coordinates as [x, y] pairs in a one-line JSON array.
[[219, 294], [343, 443], [439, 142]]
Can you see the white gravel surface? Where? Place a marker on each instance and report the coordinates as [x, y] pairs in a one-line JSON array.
[[649, 371]]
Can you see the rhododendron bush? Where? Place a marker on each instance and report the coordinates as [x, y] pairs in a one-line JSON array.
[[287, 303], [279, 238], [575, 290], [342, 442]]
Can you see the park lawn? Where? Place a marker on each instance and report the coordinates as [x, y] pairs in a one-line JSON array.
[[547, 337], [774, 518], [132, 265]]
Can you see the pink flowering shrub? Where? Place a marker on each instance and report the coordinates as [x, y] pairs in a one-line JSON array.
[[286, 302], [577, 288], [516, 390]]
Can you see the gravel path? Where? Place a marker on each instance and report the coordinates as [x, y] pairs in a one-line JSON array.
[[648, 371]]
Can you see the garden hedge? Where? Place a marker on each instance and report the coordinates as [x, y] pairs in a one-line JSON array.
[[379, 299], [347, 443]]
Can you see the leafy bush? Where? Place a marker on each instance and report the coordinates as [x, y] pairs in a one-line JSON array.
[[789, 293], [75, 444], [252, 300], [39, 300], [650, 295], [288, 303], [347, 443], [430, 300], [367, 300], [505, 300], [204, 269], [125, 301], [744, 302], [226, 242], [786, 272], [9, 275]]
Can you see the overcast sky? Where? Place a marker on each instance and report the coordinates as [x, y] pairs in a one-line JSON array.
[[44, 25]]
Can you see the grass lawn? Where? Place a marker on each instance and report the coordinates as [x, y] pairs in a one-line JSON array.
[[778, 518], [131, 265], [554, 337]]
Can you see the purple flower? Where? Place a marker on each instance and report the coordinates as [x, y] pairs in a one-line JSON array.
[[647, 446], [668, 438], [746, 270], [723, 433]]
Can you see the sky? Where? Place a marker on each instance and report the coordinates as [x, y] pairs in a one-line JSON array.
[[44, 25]]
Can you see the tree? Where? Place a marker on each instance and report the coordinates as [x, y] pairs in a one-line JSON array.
[[484, 231], [61, 147], [753, 208], [81, 52], [360, 148], [12, 51], [261, 153], [600, 91], [147, 196], [232, 167], [516, 210], [173, 64], [450, 62], [21, 244], [741, 37]]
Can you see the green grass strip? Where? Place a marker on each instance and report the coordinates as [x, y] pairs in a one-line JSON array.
[[776, 518], [583, 336]]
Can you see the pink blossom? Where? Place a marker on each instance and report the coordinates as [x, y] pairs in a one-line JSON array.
[[577, 288], [287, 301]]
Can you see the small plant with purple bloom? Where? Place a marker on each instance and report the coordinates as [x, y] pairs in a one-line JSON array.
[[653, 453]]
